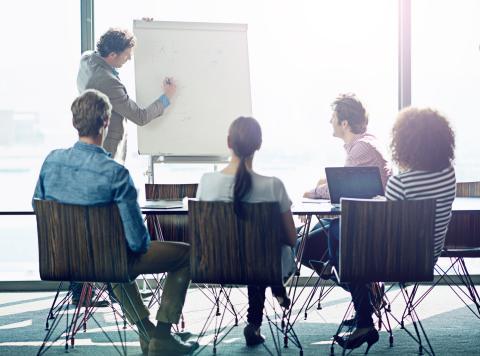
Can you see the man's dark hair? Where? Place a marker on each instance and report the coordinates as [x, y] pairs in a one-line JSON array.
[[89, 111], [115, 40], [349, 108]]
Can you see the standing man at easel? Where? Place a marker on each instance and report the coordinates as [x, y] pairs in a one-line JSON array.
[[98, 70]]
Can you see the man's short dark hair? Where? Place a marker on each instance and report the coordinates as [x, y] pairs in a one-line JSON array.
[[89, 111], [349, 108], [115, 40]]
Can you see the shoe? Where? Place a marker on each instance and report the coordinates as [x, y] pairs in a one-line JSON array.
[[145, 340], [252, 335], [353, 341], [323, 269], [92, 303], [183, 335], [170, 346]]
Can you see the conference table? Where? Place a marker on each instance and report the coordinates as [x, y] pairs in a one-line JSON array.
[[308, 207], [461, 207], [463, 232], [463, 229], [315, 207], [465, 215]]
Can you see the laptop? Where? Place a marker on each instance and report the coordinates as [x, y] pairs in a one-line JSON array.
[[353, 182]]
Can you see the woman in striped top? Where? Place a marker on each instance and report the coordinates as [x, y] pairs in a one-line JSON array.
[[423, 148]]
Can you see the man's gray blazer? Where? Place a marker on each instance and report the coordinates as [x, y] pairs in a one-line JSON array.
[[95, 73]]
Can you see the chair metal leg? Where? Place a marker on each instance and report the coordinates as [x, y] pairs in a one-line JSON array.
[[218, 312], [50, 315], [471, 295], [59, 311], [295, 292], [411, 313], [285, 329], [77, 321]]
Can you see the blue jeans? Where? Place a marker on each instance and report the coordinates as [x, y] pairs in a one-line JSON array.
[[316, 244]]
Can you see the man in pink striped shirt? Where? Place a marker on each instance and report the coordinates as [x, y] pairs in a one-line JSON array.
[[349, 122]]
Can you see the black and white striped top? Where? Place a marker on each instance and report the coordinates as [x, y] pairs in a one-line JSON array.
[[414, 185]]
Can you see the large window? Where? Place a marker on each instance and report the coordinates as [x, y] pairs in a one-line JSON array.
[[302, 54], [41, 49], [446, 71], [446, 75]]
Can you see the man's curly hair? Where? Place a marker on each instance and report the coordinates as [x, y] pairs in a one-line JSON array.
[[422, 139], [115, 40]]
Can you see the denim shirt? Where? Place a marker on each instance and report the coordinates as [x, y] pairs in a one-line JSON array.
[[86, 175]]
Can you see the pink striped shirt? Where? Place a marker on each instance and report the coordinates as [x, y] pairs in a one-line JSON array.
[[363, 151]]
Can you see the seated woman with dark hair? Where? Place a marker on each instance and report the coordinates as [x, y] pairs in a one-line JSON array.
[[423, 148], [238, 182]]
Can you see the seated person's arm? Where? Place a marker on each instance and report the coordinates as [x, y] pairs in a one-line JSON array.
[[319, 192], [125, 196], [39, 192], [395, 189], [286, 211], [289, 225]]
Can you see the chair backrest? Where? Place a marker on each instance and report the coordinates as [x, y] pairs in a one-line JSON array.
[[226, 249], [464, 227], [169, 227], [80, 243], [390, 241], [468, 189]]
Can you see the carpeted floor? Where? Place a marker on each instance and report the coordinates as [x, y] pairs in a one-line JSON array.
[[451, 327]]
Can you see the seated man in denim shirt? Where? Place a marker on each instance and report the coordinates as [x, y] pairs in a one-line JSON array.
[[86, 175]]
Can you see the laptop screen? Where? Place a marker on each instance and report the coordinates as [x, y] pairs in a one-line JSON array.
[[353, 182]]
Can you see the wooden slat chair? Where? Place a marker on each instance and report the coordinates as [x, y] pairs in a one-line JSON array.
[[389, 241], [228, 250], [463, 241], [167, 228], [84, 244]]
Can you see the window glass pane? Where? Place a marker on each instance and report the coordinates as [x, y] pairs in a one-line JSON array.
[[446, 71], [38, 84], [446, 76], [302, 54]]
